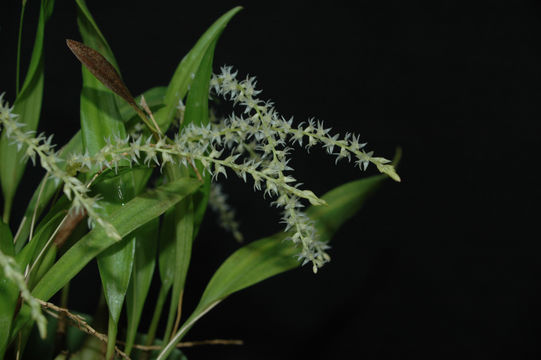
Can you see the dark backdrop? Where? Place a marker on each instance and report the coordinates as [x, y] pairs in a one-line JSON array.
[[444, 264]]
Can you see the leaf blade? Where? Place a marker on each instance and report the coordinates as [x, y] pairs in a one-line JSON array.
[[28, 106], [134, 214], [182, 78], [270, 256], [143, 270]]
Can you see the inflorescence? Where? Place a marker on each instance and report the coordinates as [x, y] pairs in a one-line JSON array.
[[254, 144]]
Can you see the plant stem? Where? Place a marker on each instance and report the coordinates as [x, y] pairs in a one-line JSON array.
[[111, 339], [7, 210], [19, 43], [151, 334], [179, 312], [183, 330]]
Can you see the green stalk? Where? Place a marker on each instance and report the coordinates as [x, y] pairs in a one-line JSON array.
[[151, 334], [111, 339], [19, 44], [7, 210]]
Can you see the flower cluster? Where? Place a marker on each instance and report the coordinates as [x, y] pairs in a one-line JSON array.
[[255, 144], [226, 215], [41, 147]]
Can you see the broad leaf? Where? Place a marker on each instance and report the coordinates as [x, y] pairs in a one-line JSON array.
[[115, 265], [270, 256]]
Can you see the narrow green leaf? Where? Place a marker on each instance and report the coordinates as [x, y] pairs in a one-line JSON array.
[[8, 291], [134, 214], [183, 219], [182, 78], [270, 256], [28, 106], [19, 46], [131, 216], [197, 113], [43, 233], [100, 118], [143, 270], [183, 222], [6, 240]]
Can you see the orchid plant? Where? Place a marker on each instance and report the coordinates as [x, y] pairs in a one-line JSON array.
[[135, 227]]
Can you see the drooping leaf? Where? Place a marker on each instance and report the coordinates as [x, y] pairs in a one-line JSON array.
[[8, 291], [182, 78], [143, 269], [28, 106], [270, 256]]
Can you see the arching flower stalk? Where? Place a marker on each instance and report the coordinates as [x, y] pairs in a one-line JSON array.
[[255, 144]]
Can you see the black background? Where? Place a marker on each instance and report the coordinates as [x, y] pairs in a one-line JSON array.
[[444, 264]]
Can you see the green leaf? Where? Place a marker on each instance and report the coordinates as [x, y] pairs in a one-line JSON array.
[[8, 291], [43, 233], [143, 270], [197, 113], [115, 265], [182, 220], [100, 117], [182, 78], [49, 189], [6, 240], [132, 215], [270, 256], [182, 223], [28, 106]]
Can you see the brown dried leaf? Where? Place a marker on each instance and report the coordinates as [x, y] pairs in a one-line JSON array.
[[101, 69]]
